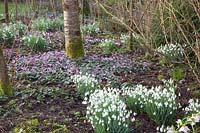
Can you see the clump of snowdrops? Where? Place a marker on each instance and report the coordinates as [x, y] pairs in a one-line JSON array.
[[193, 106], [86, 84], [108, 46], [107, 112], [172, 51], [158, 102]]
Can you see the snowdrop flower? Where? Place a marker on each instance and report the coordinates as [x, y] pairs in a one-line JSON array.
[[133, 119]]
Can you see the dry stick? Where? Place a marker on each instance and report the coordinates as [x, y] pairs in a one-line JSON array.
[[179, 25], [195, 8], [189, 63], [162, 21], [128, 27]]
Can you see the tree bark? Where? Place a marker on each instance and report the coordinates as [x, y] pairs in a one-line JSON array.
[[6, 11], [5, 86], [73, 39]]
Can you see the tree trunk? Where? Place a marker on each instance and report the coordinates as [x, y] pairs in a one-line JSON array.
[[73, 39], [6, 11], [5, 86]]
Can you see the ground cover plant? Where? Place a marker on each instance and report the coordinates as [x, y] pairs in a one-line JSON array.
[[139, 72]]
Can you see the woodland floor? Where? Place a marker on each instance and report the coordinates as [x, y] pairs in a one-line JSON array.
[[45, 97]]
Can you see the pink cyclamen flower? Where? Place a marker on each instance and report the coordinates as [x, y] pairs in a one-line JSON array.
[[197, 118], [170, 131], [145, 64], [184, 129]]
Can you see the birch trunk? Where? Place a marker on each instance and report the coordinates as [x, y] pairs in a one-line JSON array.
[[5, 86], [73, 39]]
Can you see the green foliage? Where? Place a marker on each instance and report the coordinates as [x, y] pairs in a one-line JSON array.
[[108, 46], [10, 108], [178, 74], [44, 24], [30, 98], [42, 94], [90, 29], [35, 43]]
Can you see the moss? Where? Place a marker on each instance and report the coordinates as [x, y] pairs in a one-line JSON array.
[[6, 91], [74, 48], [30, 126]]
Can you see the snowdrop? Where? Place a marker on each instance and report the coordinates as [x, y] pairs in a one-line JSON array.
[[107, 112]]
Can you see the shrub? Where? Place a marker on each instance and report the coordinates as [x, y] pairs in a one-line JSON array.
[[108, 46], [90, 29], [107, 112], [35, 43], [86, 84], [158, 102]]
